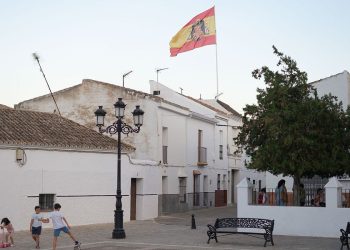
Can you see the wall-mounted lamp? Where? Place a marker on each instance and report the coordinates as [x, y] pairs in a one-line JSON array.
[[21, 157]]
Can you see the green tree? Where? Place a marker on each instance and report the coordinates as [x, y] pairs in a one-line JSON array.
[[291, 131]]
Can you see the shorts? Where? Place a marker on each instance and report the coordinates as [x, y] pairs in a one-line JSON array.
[[36, 230], [10, 233], [56, 232]]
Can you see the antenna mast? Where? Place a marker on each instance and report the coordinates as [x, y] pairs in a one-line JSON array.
[[157, 70], [36, 57]]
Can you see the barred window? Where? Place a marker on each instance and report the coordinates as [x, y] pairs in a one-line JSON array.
[[165, 145], [46, 201], [221, 152], [182, 189], [218, 183]]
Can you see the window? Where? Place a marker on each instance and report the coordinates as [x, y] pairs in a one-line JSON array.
[[202, 151], [165, 145], [218, 183], [165, 154], [221, 147], [182, 189], [224, 182], [200, 138], [46, 201], [164, 185]]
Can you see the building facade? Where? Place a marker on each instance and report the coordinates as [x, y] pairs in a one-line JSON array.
[[46, 158], [179, 139]]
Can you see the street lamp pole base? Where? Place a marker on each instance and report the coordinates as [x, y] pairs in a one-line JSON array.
[[118, 233]]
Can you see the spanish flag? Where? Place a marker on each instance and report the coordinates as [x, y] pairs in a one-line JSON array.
[[198, 32]]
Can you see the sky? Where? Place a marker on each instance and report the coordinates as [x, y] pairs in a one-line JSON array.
[[103, 39]]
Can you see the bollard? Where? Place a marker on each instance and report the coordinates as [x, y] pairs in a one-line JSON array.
[[193, 222]]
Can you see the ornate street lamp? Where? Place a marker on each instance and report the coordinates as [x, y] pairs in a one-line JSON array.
[[119, 127]]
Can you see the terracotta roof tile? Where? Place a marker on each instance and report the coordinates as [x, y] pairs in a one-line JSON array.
[[229, 108], [2, 106], [206, 105], [19, 127]]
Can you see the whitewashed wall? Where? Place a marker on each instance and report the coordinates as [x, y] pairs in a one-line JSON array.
[[338, 85], [78, 103], [298, 221], [74, 174], [221, 163], [272, 181], [205, 119], [183, 125], [175, 119]]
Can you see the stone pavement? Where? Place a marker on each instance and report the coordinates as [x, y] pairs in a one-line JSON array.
[[171, 232]]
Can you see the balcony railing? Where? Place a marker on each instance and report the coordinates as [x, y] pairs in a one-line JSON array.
[[165, 154], [202, 156], [310, 194]]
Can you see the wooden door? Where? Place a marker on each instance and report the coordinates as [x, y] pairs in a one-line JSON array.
[[133, 199]]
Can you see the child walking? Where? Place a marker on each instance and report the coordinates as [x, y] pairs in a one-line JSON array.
[[36, 225], [60, 224], [6, 223]]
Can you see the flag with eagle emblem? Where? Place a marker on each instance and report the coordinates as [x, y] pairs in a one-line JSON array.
[[198, 32]]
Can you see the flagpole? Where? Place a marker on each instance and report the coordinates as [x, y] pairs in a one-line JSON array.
[[216, 57], [217, 71]]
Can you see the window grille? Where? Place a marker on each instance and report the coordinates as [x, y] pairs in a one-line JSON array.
[[221, 152], [46, 201], [182, 189]]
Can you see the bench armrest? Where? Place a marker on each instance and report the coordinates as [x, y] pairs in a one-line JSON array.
[[268, 229], [344, 233], [211, 228]]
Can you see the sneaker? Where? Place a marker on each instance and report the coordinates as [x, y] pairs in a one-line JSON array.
[[77, 244]]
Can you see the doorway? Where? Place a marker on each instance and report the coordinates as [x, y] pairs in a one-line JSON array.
[[133, 199], [196, 188], [232, 186], [205, 191]]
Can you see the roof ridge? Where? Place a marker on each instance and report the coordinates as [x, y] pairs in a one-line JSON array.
[[314, 82]]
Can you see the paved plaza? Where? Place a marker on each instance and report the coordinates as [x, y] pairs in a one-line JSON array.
[[171, 232]]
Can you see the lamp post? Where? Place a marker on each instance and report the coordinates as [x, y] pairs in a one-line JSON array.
[[119, 127]]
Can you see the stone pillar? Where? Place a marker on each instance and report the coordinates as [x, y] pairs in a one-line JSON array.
[[244, 193], [333, 193]]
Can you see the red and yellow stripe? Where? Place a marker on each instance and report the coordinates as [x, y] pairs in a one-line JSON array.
[[182, 41]]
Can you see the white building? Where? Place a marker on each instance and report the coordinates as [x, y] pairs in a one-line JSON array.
[[181, 137], [47, 156], [222, 129], [338, 85]]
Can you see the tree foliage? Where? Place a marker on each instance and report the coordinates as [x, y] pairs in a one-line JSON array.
[[291, 130]]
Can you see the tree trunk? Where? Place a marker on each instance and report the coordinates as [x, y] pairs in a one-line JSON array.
[[296, 191]]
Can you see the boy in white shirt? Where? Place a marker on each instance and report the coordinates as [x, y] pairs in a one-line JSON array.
[[36, 224], [60, 224]]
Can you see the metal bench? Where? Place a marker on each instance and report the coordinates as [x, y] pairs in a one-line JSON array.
[[222, 225], [344, 238]]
